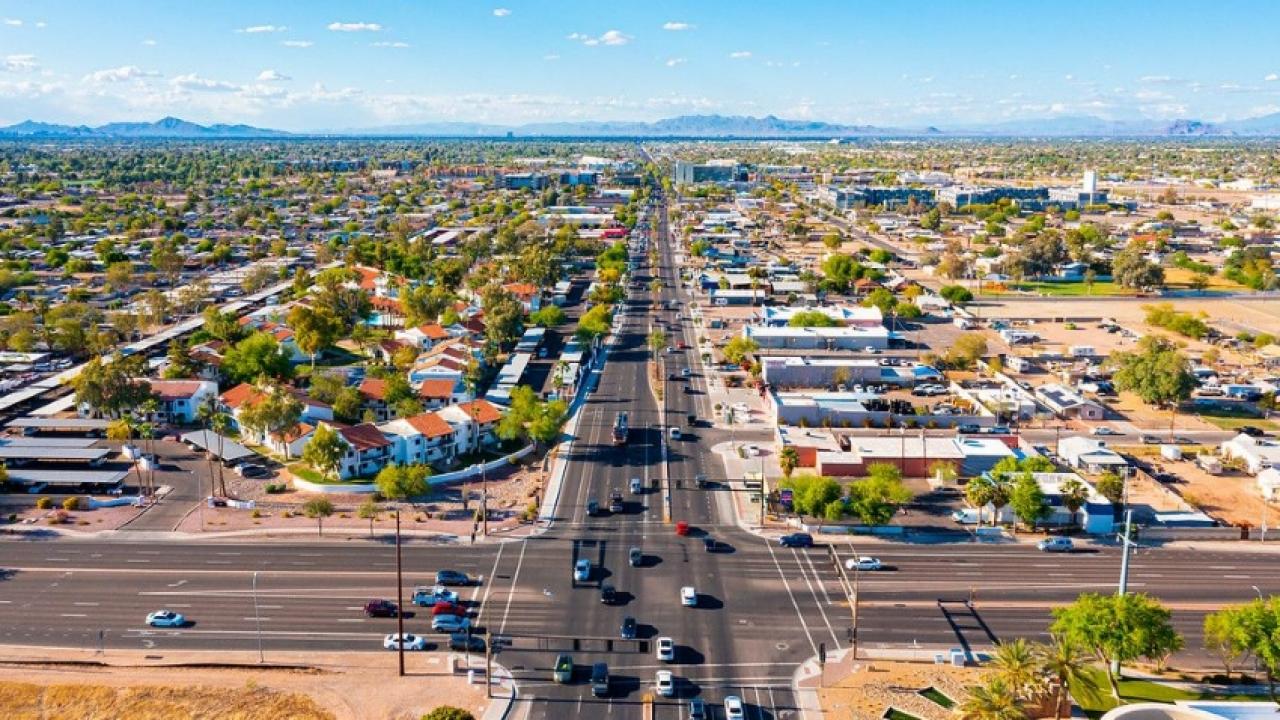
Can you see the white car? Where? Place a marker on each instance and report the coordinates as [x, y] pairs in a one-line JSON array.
[[1056, 544], [410, 641], [665, 683], [864, 563], [666, 649], [450, 623], [688, 596], [582, 570], [733, 709], [1103, 430], [166, 618]]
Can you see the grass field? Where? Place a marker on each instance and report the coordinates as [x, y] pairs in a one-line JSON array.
[[1059, 289], [1235, 423], [1097, 700], [27, 701]]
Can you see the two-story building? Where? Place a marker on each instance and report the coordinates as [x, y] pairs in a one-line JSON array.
[[423, 439]]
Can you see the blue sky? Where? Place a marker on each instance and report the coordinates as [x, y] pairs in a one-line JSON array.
[[331, 65]]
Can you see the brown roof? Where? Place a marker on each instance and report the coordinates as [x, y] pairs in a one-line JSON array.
[[375, 388], [239, 395], [174, 389], [482, 411], [364, 436], [437, 388], [433, 331], [295, 432], [430, 425]]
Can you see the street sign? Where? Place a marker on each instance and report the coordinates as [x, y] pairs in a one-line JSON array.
[[785, 498]]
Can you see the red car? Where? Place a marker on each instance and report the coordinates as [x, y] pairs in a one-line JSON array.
[[682, 345], [682, 528], [445, 608], [380, 608]]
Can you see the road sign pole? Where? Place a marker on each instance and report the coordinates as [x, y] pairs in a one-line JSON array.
[[399, 595], [488, 663]]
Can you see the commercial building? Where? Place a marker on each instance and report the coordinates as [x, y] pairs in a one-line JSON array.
[[848, 198], [714, 171], [910, 452], [845, 315], [818, 338], [807, 372]]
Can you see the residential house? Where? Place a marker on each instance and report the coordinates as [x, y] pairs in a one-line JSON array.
[[373, 396], [368, 450], [180, 400], [423, 336], [1068, 403], [1090, 455], [439, 392], [475, 424], [244, 395], [1257, 454], [423, 439]]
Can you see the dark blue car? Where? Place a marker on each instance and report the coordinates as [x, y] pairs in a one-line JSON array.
[[796, 540]]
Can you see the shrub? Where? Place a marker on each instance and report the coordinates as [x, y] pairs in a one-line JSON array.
[[71, 503], [44, 503], [255, 514]]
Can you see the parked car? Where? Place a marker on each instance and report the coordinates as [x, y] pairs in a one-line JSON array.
[[1056, 544], [628, 630], [582, 570], [864, 563], [697, 709], [166, 618], [600, 679], [637, 486], [380, 608], [608, 595], [249, 470], [666, 649], [1103, 430], [1253, 431], [616, 505], [665, 683], [796, 540], [593, 507], [733, 709], [701, 481], [409, 640], [455, 578], [1150, 440]]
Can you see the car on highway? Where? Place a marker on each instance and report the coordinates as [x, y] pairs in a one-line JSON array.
[[593, 507], [684, 372], [864, 563], [1056, 544], [166, 618], [450, 624], [562, 671], [637, 486], [697, 709], [380, 608], [733, 709], [796, 540], [600, 679], [666, 649], [701, 481], [1150, 440], [616, 505], [688, 596], [430, 596], [665, 683], [455, 578], [582, 570], [1253, 431], [628, 629], [466, 642], [682, 345], [608, 595], [447, 608], [1103, 430], [635, 557], [1183, 440], [674, 433], [409, 640], [682, 528]]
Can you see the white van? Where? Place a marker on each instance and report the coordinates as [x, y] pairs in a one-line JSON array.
[[674, 433]]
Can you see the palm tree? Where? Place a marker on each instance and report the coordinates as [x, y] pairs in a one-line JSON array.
[[121, 430], [1065, 665], [1015, 664], [992, 701], [1074, 495], [979, 492], [220, 423], [205, 414]]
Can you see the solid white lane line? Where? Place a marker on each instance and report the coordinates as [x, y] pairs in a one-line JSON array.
[[817, 603], [511, 591], [792, 597]]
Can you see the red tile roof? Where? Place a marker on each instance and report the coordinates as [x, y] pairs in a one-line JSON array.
[[482, 411], [364, 436], [433, 389], [374, 388], [433, 331], [239, 395], [174, 389], [430, 425]]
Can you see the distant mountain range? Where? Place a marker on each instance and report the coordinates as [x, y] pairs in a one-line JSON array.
[[686, 126]]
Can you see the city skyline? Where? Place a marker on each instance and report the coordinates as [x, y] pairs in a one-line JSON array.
[[329, 66]]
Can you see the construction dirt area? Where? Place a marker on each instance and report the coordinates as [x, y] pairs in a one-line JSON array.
[[1230, 315], [1231, 497], [925, 691], [350, 686]]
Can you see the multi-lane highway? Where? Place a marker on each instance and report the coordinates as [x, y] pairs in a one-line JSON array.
[[762, 609]]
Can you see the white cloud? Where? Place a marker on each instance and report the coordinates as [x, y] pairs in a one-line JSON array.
[[387, 44], [19, 63], [258, 29], [740, 54], [42, 24], [119, 74], [297, 43], [149, 42], [501, 12], [611, 37], [677, 26], [551, 56], [354, 27], [673, 62], [272, 76], [1272, 77], [12, 22], [1159, 79], [191, 81]]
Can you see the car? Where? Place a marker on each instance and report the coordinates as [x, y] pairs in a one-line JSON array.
[[600, 679], [466, 642], [674, 433], [871, 350], [796, 540], [447, 608], [166, 618], [616, 505], [863, 563], [665, 683], [635, 557], [684, 372], [582, 570], [688, 596], [608, 595], [408, 640], [450, 623], [628, 630], [670, 350], [683, 346], [711, 545], [380, 608], [562, 671], [1056, 544], [666, 649], [249, 470], [968, 428], [1253, 431], [637, 486], [733, 709], [593, 507], [701, 481], [455, 578], [429, 596], [1183, 440], [1150, 440], [672, 376], [697, 709], [1103, 430]]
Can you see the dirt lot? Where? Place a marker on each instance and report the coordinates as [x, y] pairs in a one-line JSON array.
[[1231, 497], [868, 692], [350, 686], [1232, 314]]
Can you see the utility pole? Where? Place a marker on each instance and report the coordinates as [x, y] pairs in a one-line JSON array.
[[1123, 587], [399, 595], [488, 663]]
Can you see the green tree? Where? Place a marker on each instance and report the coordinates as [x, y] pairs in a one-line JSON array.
[[1223, 636], [403, 482], [313, 330], [1014, 662], [1117, 628], [810, 494], [277, 412], [548, 316], [738, 348], [594, 323], [1066, 668], [448, 712], [966, 350], [1074, 495], [318, 508], [324, 450], [875, 498], [369, 510], [1156, 371], [1110, 486], [1255, 627], [788, 459], [1028, 500], [993, 700], [957, 294], [347, 405], [112, 386], [656, 341], [258, 355], [811, 318]]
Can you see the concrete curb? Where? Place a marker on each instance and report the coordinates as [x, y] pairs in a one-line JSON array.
[[808, 701], [498, 710]]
